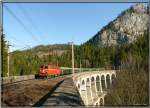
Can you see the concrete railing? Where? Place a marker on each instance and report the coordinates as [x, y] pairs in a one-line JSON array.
[[11, 79]]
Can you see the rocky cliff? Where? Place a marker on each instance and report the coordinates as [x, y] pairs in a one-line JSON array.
[[126, 28]]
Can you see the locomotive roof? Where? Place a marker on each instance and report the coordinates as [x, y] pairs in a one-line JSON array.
[[49, 65]]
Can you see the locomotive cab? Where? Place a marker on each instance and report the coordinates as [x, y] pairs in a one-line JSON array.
[[46, 70]]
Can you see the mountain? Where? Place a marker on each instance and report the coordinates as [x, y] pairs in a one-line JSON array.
[[126, 28]]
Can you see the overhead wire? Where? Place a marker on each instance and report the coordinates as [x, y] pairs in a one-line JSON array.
[[29, 18], [15, 39], [23, 25]]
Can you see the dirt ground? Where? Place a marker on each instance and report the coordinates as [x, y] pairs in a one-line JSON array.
[[27, 93]]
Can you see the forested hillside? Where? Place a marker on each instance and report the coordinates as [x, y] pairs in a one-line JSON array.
[[131, 85], [90, 56]]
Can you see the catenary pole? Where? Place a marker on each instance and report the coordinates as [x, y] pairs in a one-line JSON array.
[[72, 61], [8, 58]]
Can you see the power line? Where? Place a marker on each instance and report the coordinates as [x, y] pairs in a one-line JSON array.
[[13, 38], [16, 45], [28, 17], [13, 44], [21, 23]]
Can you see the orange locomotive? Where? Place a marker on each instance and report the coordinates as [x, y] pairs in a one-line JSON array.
[[46, 70]]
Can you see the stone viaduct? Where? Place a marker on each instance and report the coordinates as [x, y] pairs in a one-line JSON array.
[[93, 85]]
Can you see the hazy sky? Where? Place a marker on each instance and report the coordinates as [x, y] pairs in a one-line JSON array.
[[50, 23]]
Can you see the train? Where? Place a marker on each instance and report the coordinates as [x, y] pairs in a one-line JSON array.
[[47, 70]]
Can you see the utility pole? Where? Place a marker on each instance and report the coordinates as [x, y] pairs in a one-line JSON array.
[[80, 65], [72, 60], [8, 59]]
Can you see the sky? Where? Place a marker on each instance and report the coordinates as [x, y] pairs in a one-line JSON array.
[[31, 24]]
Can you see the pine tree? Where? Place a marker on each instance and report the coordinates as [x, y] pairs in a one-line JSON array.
[[4, 55]]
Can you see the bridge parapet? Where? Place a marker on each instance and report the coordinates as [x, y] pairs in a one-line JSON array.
[[92, 85], [11, 79]]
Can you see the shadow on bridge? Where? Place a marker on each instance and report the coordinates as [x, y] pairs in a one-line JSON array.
[[64, 94], [44, 98]]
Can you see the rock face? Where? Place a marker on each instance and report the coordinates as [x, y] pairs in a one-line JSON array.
[[126, 28]]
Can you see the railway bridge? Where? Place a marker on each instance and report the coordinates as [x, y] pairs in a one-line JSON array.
[[87, 88], [93, 85]]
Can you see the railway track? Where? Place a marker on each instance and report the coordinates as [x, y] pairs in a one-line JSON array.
[[27, 92], [22, 81]]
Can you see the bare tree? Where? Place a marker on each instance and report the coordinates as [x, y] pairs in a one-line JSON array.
[[131, 85]]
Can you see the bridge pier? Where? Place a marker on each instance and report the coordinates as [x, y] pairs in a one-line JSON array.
[[110, 81], [93, 88], [89, 91], [101, 86], [105, 83], [96, 88], [83, 90]]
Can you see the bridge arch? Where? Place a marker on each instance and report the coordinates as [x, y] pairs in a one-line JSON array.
[[78, 86], [113, 77], [103, 82], [88, 89], [87, 80], [98, 83], [83, 89], [108, 80], [101, 101], [83, 82], [93, 87], [92, 79], [96, 104]]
